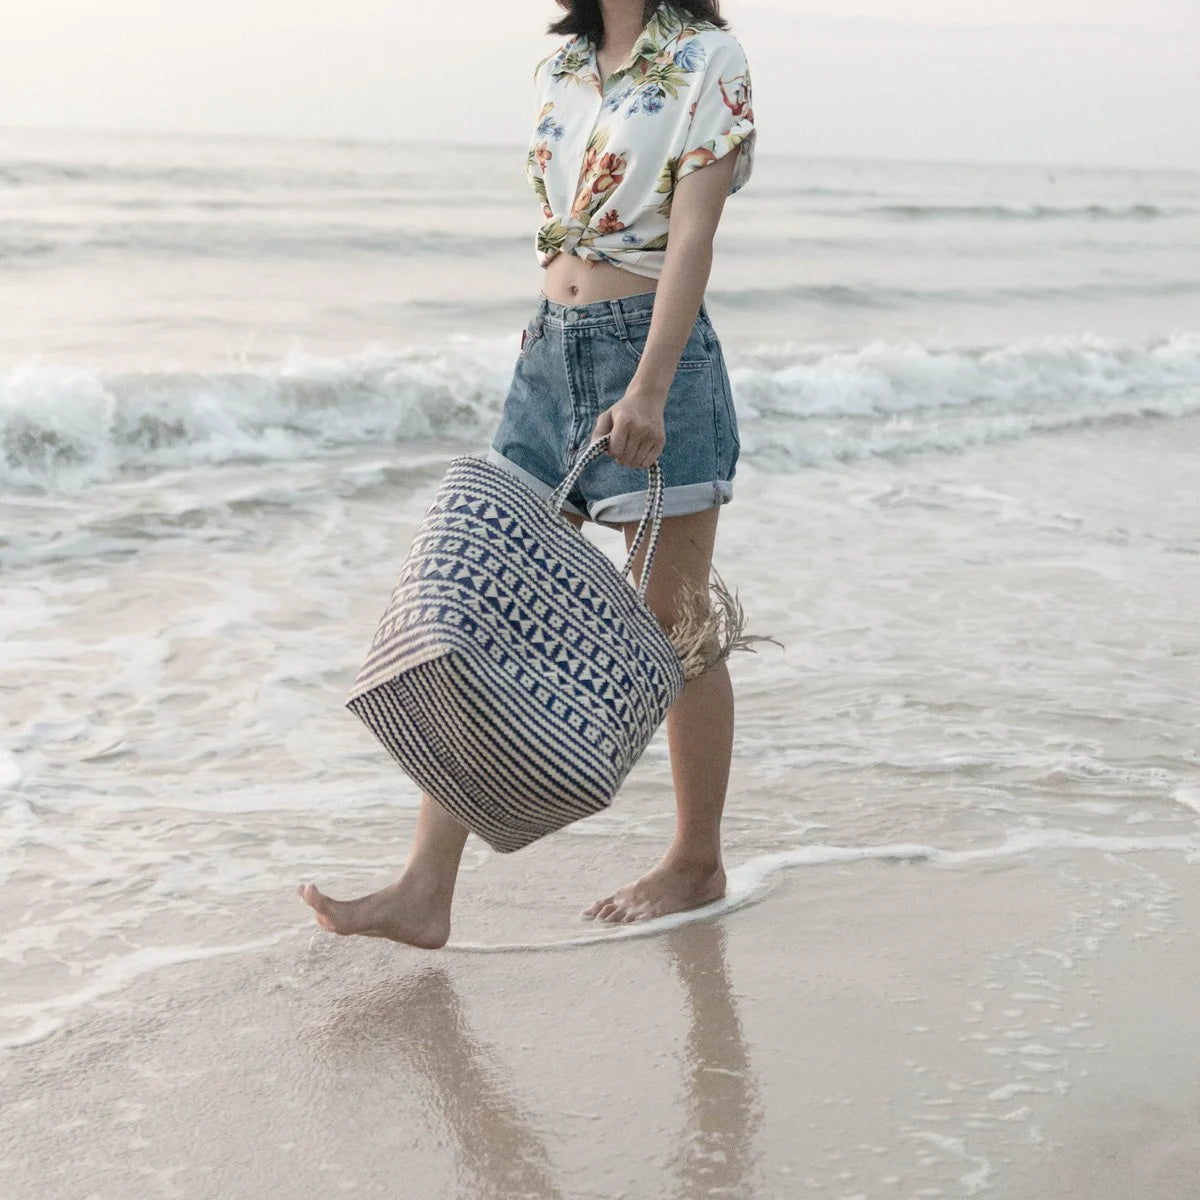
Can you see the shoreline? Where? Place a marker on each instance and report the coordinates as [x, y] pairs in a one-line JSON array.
[[851, 1034], [990, 655]]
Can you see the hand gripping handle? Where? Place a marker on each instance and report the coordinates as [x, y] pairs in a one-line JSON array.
[[651, 518]]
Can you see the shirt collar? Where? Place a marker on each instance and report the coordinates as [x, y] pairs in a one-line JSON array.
[[651, 42]]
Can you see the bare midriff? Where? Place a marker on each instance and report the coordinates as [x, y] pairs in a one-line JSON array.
[[569, 279]]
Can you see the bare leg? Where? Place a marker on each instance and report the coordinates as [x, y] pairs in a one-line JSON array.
[[700, 737], [416, 908]]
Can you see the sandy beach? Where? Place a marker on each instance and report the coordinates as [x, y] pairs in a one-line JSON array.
[[876, 1029], [957, 959]]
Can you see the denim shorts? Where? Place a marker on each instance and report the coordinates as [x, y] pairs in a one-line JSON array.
[[576, 360]]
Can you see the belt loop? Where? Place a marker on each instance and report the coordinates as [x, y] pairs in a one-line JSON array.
[[540, 316], [618, 317]]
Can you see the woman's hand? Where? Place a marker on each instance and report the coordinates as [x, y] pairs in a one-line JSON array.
[[635, 427]]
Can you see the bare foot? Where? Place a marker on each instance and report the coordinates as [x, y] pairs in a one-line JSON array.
[[668, 888], [405, 911]]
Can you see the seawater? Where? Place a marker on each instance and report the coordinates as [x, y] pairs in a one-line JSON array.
[[175, 302], [231, 372]]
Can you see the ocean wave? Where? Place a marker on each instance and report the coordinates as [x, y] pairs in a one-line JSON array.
[[66, 426], [1026, 212], [791, 449], [174, 176], [247, 240], [892, 379], [889, 298], [63, 426]]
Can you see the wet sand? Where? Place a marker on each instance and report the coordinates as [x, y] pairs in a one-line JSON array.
[[1131, 1127], [969, 971], [869, 1029]]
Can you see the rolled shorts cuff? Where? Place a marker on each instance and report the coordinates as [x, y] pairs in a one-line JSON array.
[[679, 501], [542, 488]]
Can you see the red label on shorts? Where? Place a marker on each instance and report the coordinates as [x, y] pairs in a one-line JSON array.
[[524, 335]]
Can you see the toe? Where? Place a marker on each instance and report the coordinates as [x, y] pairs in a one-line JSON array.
[[319, 904], [593, 910], [611, 913]]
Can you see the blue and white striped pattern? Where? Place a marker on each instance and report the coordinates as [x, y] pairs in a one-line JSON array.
[[516, 675]]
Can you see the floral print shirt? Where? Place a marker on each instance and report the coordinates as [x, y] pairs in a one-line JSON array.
[[606, 155]]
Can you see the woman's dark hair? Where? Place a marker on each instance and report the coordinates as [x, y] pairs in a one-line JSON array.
[[584, 16]]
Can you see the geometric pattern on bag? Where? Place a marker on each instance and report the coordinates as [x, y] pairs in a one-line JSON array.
[[516, 675]]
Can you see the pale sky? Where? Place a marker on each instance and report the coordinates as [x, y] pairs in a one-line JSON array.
[[1090, 81]]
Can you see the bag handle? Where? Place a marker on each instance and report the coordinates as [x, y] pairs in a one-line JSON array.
[[651, 516]]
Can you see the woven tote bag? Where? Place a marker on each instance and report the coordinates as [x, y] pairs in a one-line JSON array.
[[517, 675]]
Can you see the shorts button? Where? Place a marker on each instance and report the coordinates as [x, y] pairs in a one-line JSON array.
[[572, 317]]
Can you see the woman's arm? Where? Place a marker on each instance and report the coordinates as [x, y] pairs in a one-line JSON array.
[[636, 420]]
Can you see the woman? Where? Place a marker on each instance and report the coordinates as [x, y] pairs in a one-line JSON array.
[[640, 97]]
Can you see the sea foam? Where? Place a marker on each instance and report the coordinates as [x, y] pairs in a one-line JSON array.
[[749, 881], [63, 426]]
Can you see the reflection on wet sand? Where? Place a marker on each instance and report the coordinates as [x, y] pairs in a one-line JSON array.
[[497, 1152], [498, 1149], [716, 1154]]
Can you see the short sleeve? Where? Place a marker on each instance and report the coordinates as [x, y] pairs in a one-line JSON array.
[[723, 114]]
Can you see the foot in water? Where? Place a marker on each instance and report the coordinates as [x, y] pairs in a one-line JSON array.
[[669, 887], [405, 911]]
